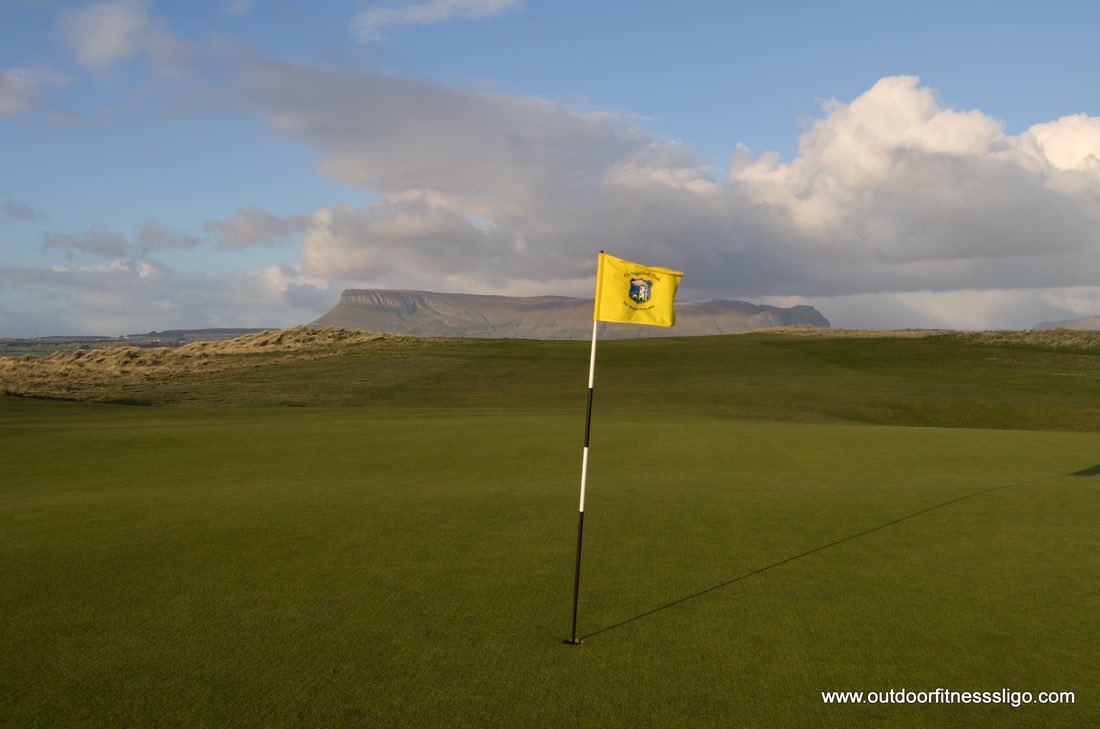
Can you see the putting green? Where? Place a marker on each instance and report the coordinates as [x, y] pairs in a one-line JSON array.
[[413, 567]]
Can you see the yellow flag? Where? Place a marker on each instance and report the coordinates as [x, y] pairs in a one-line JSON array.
[[635, 294]]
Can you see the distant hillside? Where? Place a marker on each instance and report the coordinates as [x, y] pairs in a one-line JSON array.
[[1091, 323], [425, 313]]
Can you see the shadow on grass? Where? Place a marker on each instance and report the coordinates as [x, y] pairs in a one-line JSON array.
[[1092, 471]]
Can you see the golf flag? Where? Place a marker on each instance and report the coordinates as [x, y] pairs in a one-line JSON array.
[[635, 294]]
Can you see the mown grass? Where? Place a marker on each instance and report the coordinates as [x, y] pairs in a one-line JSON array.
[[753, 538]]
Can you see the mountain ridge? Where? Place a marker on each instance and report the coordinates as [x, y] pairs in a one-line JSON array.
[[427, 313]]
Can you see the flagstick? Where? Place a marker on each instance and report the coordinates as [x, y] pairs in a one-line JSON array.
[[584, 479]]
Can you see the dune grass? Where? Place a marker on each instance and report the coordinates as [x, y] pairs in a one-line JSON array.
[[408, 561]]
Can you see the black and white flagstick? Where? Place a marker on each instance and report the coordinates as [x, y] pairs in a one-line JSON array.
[[584, 479]]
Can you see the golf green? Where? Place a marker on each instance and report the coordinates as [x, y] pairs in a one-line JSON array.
[[413, 566]]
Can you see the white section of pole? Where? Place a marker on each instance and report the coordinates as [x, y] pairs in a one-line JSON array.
[[584, 476], [592, 359]]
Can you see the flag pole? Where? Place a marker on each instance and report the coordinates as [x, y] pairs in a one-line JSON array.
[[574, 640], [584, 480]]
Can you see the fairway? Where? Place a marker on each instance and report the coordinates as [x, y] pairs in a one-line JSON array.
[[412, 566]]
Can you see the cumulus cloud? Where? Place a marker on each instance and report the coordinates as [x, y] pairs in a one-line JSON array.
[[1070, 143], [892, 193], [914, 196], [254, 226], [372, 22], [19, 88]]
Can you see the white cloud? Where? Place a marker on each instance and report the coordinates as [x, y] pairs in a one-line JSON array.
[[1069, 143], [897, 208], [105, 33], [372, 22], [922, 197], [19, 88]]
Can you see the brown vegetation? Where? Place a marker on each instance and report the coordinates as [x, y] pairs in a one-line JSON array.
[[92, 374]]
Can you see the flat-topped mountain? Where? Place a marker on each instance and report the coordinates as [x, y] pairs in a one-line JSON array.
[[540, 317]]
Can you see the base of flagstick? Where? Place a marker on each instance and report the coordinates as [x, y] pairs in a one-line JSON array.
[[572, 641]]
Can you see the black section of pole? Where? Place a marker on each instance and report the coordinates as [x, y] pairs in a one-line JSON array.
[[577, 577], [580, 522], [588, 419]]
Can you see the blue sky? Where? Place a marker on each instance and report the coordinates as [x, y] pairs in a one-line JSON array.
[[234, 163]]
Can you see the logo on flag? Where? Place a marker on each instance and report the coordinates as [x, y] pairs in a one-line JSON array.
[[640, 290]]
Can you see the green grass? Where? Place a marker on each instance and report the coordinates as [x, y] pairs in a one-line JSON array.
[[947, 380], [753, 538]]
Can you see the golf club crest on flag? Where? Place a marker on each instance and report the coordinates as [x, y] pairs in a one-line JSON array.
[[639, 290], [628, 293]]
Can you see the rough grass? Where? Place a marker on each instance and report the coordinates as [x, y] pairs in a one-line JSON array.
[[1044, 379], [1059, 339]]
